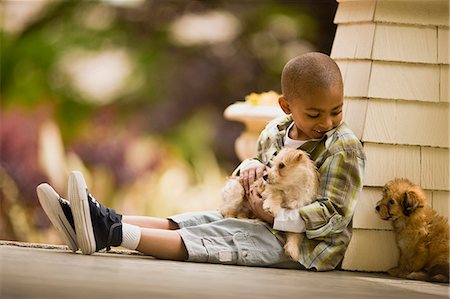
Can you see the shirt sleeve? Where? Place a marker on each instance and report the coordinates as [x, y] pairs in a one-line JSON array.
[[289, 220], [341, 178], [243, 165]]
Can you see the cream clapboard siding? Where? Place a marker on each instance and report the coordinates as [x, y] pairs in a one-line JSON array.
[[394, 60], [440, 202], [415, 12], [398, 122], [392, 80], [444, 84], [387, 42], [371, 251], [443, 41]]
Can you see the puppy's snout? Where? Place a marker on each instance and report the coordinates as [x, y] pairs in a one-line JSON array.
[[265, 177]]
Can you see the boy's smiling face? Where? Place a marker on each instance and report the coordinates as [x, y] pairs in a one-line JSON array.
[[315, 113]]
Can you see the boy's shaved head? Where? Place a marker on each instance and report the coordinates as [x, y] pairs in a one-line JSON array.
[[309, 72]]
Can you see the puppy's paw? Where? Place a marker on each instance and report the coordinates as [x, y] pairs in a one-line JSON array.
[[397, 272], [439, 278], [292, 250], [267, 207], [418, 275], [227, 213]]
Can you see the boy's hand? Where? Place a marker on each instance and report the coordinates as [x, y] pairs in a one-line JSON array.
[[250, 174], [255, 203]]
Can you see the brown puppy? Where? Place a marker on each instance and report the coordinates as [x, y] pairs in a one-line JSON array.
[[421, 234]]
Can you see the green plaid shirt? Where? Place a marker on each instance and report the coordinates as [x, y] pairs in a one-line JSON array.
[[340, 160]]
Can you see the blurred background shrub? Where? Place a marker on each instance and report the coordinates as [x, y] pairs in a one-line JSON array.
[[132, 92]]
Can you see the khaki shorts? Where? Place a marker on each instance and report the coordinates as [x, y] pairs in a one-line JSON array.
[[210, 238]]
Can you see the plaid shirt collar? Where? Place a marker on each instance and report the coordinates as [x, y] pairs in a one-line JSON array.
[[308, 146]]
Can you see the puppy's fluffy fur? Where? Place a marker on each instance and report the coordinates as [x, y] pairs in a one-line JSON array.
[[422, 235], [292, 182]]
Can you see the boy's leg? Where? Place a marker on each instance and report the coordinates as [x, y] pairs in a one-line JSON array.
[[202, 237], [233, 241], [60, 214], [174, 222], [160, 238], [150, 222], [163, 244]]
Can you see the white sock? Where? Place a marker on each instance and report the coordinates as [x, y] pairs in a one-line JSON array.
[[131, 235]]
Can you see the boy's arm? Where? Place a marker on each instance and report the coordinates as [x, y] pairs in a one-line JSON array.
[[341, 178]]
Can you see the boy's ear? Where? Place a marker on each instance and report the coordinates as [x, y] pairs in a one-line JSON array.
[[284, 104]]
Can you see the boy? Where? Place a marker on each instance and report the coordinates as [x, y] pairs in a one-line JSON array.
[[313, 101]]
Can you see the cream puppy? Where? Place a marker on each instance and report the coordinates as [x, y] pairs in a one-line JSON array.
[[290, 183]]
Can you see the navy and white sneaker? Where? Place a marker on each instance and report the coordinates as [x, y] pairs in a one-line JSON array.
[[96, 226], [59, 212]]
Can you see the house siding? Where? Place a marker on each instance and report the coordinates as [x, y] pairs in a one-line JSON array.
[[394, 60]]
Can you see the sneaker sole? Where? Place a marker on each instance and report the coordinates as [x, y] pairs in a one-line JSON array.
[[81, 213], [49, 201]]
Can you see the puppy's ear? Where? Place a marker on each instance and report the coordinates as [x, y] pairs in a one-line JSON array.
[[299, 155], [410, 202]]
